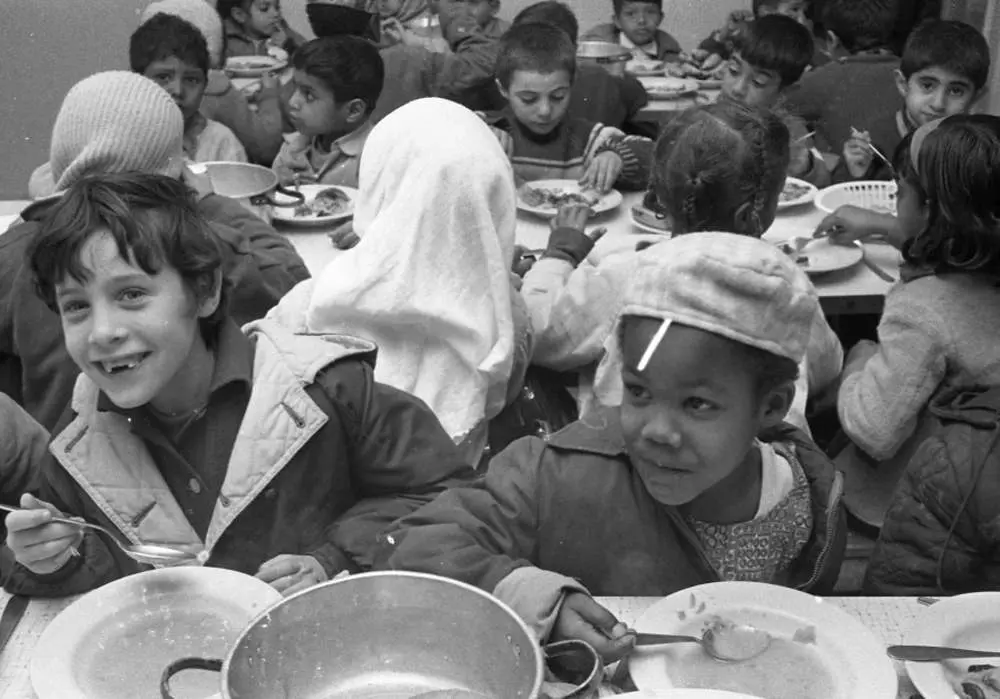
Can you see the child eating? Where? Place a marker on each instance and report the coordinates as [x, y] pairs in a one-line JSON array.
[[535, 72], [635, 25], [719, 46], [768, 57], [260, 451], [695, 478], [173, 54], [337, 82], [254, 26]]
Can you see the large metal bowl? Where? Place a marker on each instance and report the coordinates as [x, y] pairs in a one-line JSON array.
[[385, 635], [612, 57]]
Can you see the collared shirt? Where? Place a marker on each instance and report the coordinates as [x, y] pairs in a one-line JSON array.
[[304, 156], [647, 51], [206, 140], [192, 451]]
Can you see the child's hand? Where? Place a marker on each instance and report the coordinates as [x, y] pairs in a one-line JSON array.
[[571, 216], [850, 223], [711, 62], [800, 159], [583, 619], [268, 81], [857, 156], [343, 236], [38, 544], [289, 574], [603, 171]]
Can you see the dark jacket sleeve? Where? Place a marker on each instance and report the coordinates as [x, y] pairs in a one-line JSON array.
[[479, 533], [24, 445], [636, 153], [402, 458], [469, 65], [928, 534], [263, 265]]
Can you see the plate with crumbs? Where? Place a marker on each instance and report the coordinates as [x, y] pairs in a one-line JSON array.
[[668, 88], [821, 256], [545, 197], [324, 205]]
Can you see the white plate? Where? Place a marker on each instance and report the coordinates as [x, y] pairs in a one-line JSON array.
[[965, 621], [669, 88], [805, 198], [855, 659], [115, 642], [253, 66], [286, 214], [645, 227], [608, 202], [826, 257], [685, 694], [643, 69]]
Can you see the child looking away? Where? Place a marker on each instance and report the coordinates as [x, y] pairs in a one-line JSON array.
[[254, 26], [768, 57], [535, 72], [635, 25], [337, 82], [260, 451], [173, 54], [694, 478]]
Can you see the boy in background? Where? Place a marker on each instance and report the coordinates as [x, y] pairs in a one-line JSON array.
[[854, 103], [173, 54], [337, 82], [719, 45], [769, 56], [635, 25], [535, 72], [254, 26]]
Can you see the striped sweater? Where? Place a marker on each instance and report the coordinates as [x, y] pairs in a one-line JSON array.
[[565, 153]]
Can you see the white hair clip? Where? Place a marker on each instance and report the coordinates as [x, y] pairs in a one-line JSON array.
[[653, 344]]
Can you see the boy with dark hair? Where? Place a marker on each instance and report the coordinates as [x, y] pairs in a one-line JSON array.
[[173, 54], [256, 450], [535, 71], [337, 82], [254, 26], [852, 103], [769, 56], [635, 25]]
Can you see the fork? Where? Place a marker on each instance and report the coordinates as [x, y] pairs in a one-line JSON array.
[[879, 272]]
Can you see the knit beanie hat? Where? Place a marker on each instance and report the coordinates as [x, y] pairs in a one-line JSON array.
[[736, 286], [115, 121], [200, 14]]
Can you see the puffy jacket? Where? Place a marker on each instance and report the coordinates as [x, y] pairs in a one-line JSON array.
[[324, 460], [35, 370], [942, 532]]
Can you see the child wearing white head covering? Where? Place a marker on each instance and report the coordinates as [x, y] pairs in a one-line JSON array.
[[429, 281]]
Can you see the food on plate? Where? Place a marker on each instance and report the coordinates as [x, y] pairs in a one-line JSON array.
[[251, 64], [687, 67], [800, 258], [981, 682], [784, 669], [644, 66], [736, 642], [793, 191], [331, 201], [553, 198]]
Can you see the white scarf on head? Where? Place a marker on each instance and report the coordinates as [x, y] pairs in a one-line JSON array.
[[429, 282]]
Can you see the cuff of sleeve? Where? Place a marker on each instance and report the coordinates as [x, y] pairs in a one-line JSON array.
[[334, 560], [569, 244], [536, 596]]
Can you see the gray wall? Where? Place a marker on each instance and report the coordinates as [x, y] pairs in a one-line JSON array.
[[48, 45]]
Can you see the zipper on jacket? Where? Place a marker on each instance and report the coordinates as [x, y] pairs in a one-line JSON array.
[[832, 517], [296, 418]]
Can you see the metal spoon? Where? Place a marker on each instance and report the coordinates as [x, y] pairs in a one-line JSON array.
[[150, 554], [727, 642], [933, 654], [879, 272]]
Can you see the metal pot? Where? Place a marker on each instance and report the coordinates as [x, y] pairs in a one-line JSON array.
[[391, 635], [253, 185], [612, 57]]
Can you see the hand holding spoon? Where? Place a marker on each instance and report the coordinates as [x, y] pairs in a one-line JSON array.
[[150, 554], [722, 640]]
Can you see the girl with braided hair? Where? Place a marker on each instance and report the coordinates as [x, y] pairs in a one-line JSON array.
[[720, 167]]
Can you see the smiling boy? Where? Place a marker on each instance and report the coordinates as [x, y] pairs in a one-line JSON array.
[[695, 478], [253, 26], [337, 82], [635, 24], [260, 451], [535, 72], [173, 54]]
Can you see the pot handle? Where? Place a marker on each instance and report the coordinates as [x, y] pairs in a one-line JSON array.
[[577, 663], [210, 664], [297, 197]]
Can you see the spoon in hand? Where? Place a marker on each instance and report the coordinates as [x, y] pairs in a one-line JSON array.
[[933, 654], [726, 642], [150, 554]]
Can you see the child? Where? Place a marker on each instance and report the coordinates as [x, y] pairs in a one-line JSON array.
[[337, 82], [941, 324], [635, 25], [695, 478], [111, 122], [173, 54], [254, 26], [255, 119], [768, 57], [535, 71], [716, 168], [719, 45], [451, 329], [258, 450], [405, 21]]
